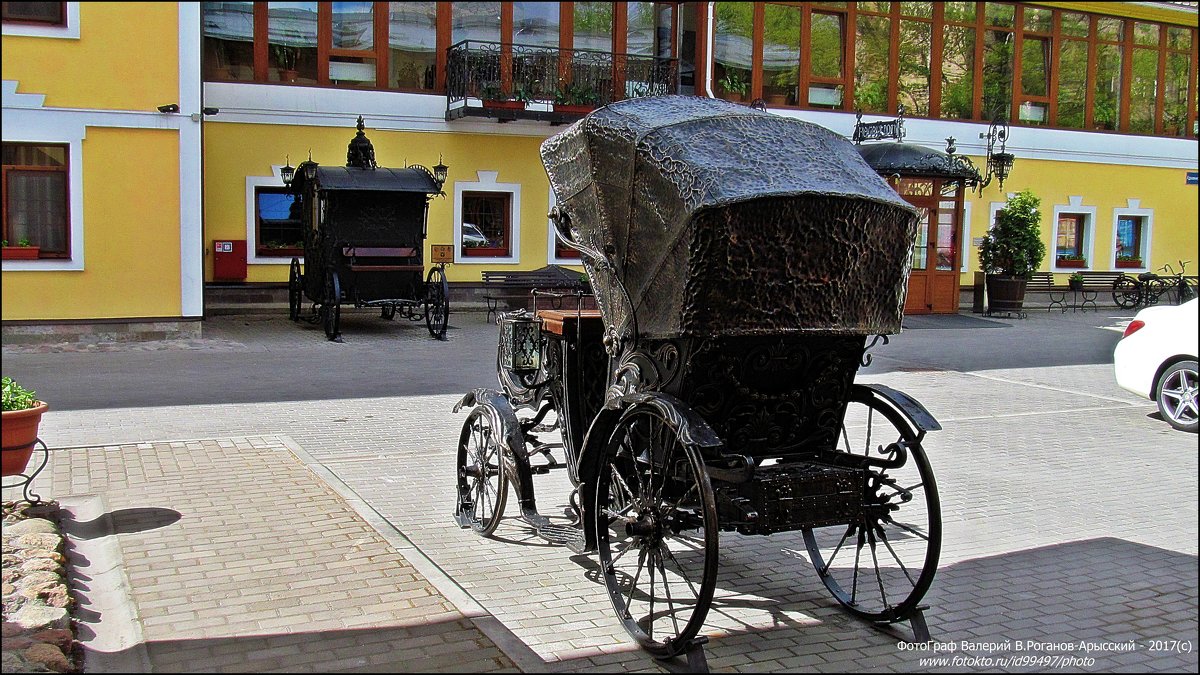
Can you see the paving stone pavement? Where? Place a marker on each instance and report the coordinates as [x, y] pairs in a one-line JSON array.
[[1069, 512]]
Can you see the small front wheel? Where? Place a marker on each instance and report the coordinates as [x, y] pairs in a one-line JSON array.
[[295, 290], [437, 303], [331, 312], [1175, 394], [657, 534], [1127, 293], [482, 482]]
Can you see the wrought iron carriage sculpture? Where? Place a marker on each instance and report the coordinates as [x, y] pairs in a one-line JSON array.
[[364, 233], [740, 261]]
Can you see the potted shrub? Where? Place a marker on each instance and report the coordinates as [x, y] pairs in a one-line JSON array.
[[734, 86], [1075, 282], [24, 250], [21, 416], [1129, 262], [1011, 251]]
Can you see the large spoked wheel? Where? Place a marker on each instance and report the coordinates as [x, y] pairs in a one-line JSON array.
[[1175, 395], [295, 290], [437, 303], [657, 531], [1127, 293], [880, 567], [331, 313], [482, 483]]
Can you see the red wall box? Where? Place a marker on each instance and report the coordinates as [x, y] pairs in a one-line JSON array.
[[229, 260]]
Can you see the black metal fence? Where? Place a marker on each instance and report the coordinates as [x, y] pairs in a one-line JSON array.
[[513, 81]]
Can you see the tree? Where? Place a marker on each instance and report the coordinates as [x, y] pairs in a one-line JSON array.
[[1014, 246]]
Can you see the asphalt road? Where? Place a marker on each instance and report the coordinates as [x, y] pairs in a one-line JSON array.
[[266, 358]]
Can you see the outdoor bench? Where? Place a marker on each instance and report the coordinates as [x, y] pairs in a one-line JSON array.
[[551, 281], [1094, 283]]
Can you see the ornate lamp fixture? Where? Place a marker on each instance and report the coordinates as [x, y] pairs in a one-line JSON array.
[[288, 172], [998, 164], [440, 171]]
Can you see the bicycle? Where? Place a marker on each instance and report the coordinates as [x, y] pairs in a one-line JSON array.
[[1129, 292], [1177, 282]]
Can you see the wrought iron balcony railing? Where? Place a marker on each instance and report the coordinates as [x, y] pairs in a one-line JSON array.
[[513, 81]]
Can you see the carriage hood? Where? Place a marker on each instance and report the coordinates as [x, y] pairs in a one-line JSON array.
[[382, 179], [717, 219]]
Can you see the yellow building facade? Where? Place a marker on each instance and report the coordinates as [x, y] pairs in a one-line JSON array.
[[115, 182], [261, 85]]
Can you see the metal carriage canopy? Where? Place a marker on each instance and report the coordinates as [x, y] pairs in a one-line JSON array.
[[717, 219]]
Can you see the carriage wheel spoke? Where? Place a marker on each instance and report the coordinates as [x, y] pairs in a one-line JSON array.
[[883, 537], [878, 575], [633, 584], [828, 563], [683, 573], [612, 563], [650, 616], [667, 591]]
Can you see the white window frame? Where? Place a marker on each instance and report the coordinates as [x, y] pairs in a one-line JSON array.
[[252, 183], [74, 204], [1133, 207], [1075, 207], [69, 31], [486, 182]]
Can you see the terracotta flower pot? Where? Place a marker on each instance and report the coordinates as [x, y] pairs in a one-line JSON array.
[[18, 433], [573, 108]]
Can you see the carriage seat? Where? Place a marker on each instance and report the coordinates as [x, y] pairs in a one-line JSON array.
[[562, 322], [383, 258]]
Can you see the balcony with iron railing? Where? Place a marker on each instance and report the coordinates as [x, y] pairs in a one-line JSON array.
[[512, 81]]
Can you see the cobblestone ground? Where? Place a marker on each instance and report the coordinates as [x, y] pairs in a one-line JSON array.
[[1069, 511]]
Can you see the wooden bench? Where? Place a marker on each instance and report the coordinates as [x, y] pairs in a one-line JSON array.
[[1094, 283], [381, 259], [549, 281]]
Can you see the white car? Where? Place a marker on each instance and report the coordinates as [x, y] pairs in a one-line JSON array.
[[1156, 358]]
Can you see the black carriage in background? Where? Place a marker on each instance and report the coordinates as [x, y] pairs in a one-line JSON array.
[[740, 262], [364, 235]]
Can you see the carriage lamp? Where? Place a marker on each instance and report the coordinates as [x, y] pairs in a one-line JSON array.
[[998, 164], [288, 172], [520, 342], [440, 171]]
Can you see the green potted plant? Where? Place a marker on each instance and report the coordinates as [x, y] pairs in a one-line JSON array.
[[1129, 261], [21, 416], [734, 87], [1011, 251], [1075, 281], [784, 88], [495, 97], [1071, 260], [24, 250], [285, 58], [575, 99]]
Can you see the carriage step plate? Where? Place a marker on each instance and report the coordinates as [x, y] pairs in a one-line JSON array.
[[572, 537]]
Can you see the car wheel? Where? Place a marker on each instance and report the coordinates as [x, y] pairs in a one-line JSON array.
[[1175, 394]]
